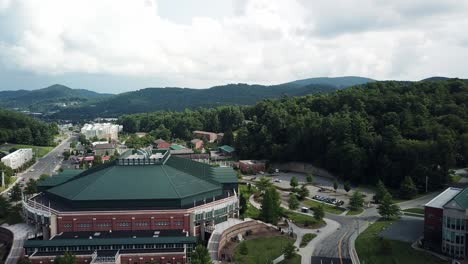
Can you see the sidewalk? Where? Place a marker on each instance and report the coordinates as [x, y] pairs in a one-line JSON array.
[[306, 252], [20, 232]]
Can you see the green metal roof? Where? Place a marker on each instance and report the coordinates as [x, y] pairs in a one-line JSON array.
[[178, 178], [177, 147], [227, 148], [108, 241], [60, 178], [462, 198]]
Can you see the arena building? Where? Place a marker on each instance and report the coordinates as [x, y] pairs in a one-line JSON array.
[[140, 208]]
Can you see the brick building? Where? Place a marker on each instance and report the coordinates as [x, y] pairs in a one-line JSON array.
[[445, 223], [134, 210]]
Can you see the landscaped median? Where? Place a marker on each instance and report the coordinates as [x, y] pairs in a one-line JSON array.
[[303, 220], [306, 239], [327, 207], [372, 248]]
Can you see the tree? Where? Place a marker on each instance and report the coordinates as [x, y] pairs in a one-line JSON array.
[[289, 251], [24, 261], [310, 178], [347, 187], [243, 248], [270, 210], [381, 192], [319, 212], [387, 208], [293, 202], [263, 184], [303, 192], [293, 182], [15, 193], [407, 189], [357, 201], [67, 258], [335, 185], [97, 160], [31, 187], [242, 204], [200, 255], [4, 207]]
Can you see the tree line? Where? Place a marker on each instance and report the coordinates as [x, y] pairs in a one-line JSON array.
[[19, 128], [378, 131]]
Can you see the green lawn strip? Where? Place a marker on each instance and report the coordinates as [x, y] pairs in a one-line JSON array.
[[252, 211], [414, 210], [355, 212], [371, 248], [327, 207], [40, 151], [303, 220], [306, 239], [262, 250], [456, 178], [295, 260]]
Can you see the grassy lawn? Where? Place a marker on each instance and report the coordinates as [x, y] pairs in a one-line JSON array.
[[327, 207], [302, 220], [252, 211], [306, 239], [373, 249], [244, 189], [456, 178], [262, 250], [415, 210], [39, 150], [355, 212], [295, 260]]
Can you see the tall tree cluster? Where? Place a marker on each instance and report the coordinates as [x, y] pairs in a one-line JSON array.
[[22, 129], [383, 130]]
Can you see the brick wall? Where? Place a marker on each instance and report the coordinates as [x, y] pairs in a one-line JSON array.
[[123, 222], [433, 220]]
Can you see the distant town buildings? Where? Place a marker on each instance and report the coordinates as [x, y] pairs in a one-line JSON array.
[[208, 136], [104, 149], [197, 143], [101, 130], [18, 158], [252, 166], [161, 144], [445, 223]]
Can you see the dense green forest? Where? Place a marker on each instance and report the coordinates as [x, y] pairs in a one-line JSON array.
[[178, 99], [47, 99], [381, 130], [22, 129]]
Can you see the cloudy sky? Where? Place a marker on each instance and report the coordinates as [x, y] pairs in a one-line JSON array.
[[120, 45]]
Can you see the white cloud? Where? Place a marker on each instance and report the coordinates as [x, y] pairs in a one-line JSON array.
[[266, 41]]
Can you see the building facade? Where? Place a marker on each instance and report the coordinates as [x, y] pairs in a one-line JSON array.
[[101, 130], [445, 223], [18, 158], [132, 210]]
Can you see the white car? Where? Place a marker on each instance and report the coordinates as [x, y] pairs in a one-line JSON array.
[[277, 180], [31, 170]]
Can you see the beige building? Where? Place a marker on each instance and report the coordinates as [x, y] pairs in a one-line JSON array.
[[18, 158]]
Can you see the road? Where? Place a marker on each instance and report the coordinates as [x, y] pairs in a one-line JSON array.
[[48, 163], [337, 245]]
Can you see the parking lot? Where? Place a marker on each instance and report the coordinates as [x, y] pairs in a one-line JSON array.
[[282, 180]]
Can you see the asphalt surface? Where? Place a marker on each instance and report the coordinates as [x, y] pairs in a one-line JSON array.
[[337, 245], [48, 163]]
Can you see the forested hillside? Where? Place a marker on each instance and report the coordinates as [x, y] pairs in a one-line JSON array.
[[381, 130], [21, 129], [51, 98]]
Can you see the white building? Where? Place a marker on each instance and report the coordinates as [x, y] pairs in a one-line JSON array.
[[101, 130], [18, 158]]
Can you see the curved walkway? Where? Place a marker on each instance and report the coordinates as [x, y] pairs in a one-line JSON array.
[[20, 232], [322, 233]]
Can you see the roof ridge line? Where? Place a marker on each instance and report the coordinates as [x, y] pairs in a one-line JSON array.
[[87, 186], [170, 180]]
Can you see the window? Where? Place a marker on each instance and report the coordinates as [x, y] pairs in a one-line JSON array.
[[162, 223], [199, 216], [84, 225], [179, 223], [103, 224], [124, 224], [140, 224], [67, 225]]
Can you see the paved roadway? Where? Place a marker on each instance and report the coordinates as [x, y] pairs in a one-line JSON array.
[[48, 163], [337, 245]]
